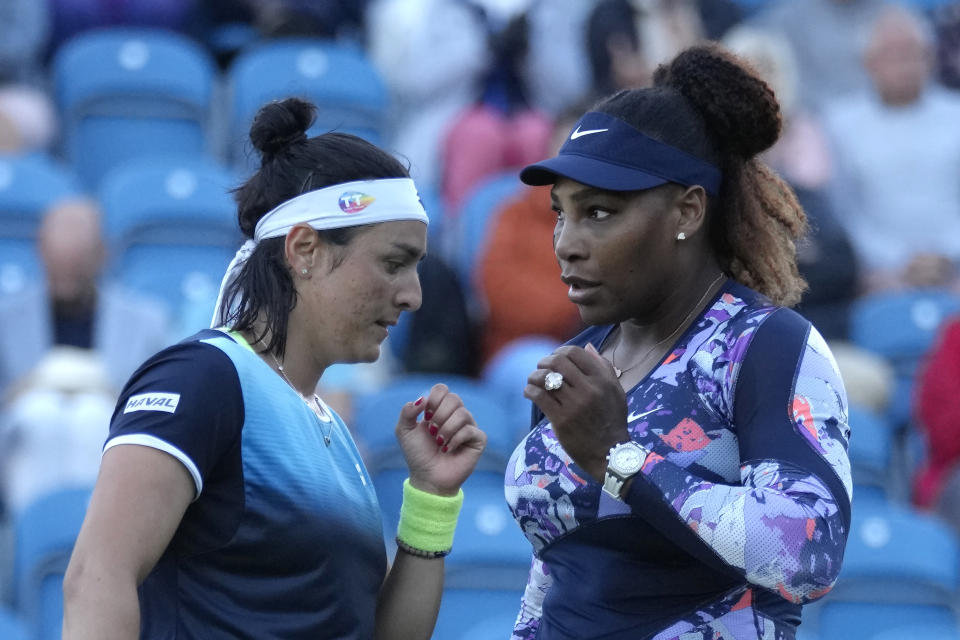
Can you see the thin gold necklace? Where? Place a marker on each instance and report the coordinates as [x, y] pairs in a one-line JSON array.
[[613, 357], [316, 407]]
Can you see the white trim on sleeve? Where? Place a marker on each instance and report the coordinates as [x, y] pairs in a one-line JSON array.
[[154, 442]]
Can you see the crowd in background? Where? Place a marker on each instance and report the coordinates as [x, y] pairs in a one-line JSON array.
[[870, 96]]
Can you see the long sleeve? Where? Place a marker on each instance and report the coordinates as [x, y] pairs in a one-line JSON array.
[[784, 526], [531, 605]]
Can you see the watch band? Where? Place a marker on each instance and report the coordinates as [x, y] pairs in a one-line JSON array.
[[612, 486], [615, 477]]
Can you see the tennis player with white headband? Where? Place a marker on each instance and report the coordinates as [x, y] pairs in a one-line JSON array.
[[232, 501]]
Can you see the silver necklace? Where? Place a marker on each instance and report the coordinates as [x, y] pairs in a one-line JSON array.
[[316, 407], [613, 357]]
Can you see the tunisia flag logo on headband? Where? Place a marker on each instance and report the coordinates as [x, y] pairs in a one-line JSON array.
[[355, 202]]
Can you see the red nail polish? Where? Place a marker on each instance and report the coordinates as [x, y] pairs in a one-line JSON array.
[[427, 415], [444, 448], [433, 429], [418, 402], [439, 439]]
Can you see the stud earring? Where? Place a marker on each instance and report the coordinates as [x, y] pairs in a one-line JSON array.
[[304, 271], [681, 236]]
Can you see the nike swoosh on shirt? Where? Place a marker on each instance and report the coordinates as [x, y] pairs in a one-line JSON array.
[[636, 416], [576, 134]]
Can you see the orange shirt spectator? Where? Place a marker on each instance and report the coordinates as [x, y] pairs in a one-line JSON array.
[[519, 275]]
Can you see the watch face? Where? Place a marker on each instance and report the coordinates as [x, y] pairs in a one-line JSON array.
[[627, 460]]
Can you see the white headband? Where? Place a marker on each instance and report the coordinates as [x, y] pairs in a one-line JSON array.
[[348, 204]]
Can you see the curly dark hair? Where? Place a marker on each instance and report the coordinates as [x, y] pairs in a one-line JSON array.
[[713, 105]]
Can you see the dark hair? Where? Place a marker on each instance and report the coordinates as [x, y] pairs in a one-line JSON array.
[[291, 164], [712, 105], [608, 18]]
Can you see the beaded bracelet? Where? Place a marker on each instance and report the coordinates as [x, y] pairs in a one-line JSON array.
[[420, 553], [427, 522]]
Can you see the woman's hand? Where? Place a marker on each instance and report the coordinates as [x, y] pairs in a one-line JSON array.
[[443, 448], [588, 412]]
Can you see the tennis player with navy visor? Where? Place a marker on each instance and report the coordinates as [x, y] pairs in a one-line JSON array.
[[686, 472]]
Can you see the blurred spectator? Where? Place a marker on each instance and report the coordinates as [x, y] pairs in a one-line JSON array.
[[614, 47], [334, 19], [52, 432], [517, 271], [440, 335], [719, 16], [802, 153], [557, 67], [937, 411], [70, 17], [75, 308], [802, 156], [432, 54], [946, 20], [827, 37], [898, 158], [24, 34], [28, 120], [500, 130], [667, 27], [226, 27]]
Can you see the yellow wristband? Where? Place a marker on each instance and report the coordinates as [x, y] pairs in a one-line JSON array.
[[427, 521]]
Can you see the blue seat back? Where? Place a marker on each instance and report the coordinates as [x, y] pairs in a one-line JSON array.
[[28, 186], [171, 226], [901, 326], [900, 567], [871, 448], [44, 535], [506, 375], [466, 609], [375, 416], [338, 78], [11, 626], [495, 624], [475, 219], [123, 92], [927, 631]]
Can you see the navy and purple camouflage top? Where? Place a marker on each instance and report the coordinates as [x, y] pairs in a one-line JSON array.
[[739, 515]]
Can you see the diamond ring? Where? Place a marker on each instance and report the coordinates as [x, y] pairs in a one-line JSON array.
[[553, 381]]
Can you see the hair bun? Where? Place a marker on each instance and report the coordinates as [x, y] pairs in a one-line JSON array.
[[739, 108], [281, 123]]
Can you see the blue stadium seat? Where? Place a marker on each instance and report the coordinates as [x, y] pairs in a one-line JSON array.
[[901, 327], [171, 227], [920, 632], [487, 570], [506, 375], [900, 569], [871, 446], [475, 609], [490, 551], [11, 627], [375, 416], [28, 186], [350, 95], [497, 624], [44, 536], [473, 224], [123, 92]]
